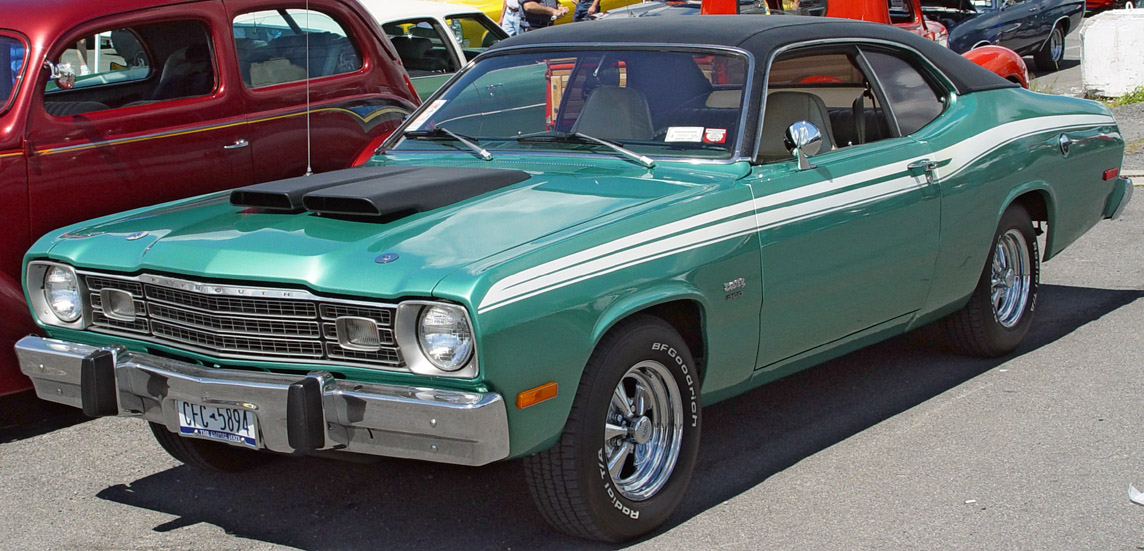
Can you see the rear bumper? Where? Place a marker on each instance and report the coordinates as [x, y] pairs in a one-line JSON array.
[[1118, 199], [295, 413]]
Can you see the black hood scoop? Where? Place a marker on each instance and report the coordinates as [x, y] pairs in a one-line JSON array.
[[380, 192]]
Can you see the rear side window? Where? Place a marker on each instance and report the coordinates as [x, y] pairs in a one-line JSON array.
[[12, 52], [131, 66], [421, 44], [275, 46], [914, 101]]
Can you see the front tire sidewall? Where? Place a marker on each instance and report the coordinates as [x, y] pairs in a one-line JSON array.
[[619, 517]]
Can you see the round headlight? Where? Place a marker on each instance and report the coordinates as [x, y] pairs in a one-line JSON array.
[[62, 293], [445, 336]]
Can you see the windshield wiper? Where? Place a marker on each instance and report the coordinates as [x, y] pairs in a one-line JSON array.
[[442, 132], [647, 162]]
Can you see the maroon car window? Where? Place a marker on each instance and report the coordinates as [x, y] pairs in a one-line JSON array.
[[134, 66], [276, 46], [912, 98], [12, 54]]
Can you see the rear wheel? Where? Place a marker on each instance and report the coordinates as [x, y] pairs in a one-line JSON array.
[[1050, 55], [625, 458], [1000, 311], [207, 455]]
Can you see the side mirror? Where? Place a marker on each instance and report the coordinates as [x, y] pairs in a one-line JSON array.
[[803, 140], [62, 74]]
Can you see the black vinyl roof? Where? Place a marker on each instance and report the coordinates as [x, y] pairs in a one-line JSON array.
[[759, 34]]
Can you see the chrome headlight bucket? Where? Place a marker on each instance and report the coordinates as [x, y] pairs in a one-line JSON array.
[[437, 339], [56, 294]]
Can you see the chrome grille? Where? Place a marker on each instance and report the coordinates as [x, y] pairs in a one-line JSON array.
[[229, 305], [264, 324]]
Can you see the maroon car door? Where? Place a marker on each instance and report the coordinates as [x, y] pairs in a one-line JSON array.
[[355, 91], [151, 116]]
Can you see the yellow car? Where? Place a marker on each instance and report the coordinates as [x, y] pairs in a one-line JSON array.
[[492, 8]]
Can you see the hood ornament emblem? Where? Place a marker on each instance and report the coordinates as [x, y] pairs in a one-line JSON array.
[[137, 235], [386, 258]]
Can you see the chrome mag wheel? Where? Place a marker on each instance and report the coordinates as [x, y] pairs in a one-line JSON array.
[[643, 430], [1057, 44], [1011, 278]]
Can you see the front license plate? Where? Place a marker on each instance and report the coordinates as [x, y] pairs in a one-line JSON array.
[[234, 425]]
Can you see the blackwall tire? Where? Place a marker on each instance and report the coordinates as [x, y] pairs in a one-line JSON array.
[[1000, 311], [206, 455], [1049, 57], [628, 449]]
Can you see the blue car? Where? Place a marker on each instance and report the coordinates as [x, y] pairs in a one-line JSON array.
[[1030, 27]]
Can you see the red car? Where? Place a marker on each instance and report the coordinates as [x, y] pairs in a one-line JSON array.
[[116, 104], [1100, 5], [907, 15]]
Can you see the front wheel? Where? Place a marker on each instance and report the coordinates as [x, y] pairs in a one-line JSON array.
[[207, 455], [1050, 55], [1000, 311], [629, 446]]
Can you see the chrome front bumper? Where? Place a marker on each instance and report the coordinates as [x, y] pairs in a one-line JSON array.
[[295, 413]]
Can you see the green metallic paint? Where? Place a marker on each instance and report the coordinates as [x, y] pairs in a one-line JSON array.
[[814, 287]]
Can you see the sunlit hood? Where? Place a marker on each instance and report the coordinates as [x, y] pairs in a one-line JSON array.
[[211, 239]]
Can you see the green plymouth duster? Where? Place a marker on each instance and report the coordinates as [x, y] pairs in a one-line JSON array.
[[590, 233]]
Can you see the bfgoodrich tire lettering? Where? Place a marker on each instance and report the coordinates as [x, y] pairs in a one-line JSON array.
[[625, 458], [207, 455], [1000, 311]]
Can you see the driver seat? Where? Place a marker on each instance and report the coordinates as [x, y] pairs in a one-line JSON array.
[[786, 108]]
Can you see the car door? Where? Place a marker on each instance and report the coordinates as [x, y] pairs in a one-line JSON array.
[[150, 118], [354, 96], [848, 245]]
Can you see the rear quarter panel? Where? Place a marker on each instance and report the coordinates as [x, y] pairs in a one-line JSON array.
[[997, 146]]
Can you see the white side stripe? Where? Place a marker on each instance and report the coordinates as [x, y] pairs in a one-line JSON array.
[[693, 232]]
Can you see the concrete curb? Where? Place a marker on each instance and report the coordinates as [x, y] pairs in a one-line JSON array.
[[1136, 175]]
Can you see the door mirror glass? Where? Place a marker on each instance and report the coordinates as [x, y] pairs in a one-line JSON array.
[[62, 74], [803, 139]]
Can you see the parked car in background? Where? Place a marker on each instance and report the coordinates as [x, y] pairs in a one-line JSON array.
[[434, 40], [1029, 27], [1093, 6], [688, 7], [647, 216], [114, 105], [492, 8]]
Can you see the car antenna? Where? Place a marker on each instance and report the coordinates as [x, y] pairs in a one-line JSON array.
[[309, 165]]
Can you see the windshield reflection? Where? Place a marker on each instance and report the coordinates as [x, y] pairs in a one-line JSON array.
[[653, 103]]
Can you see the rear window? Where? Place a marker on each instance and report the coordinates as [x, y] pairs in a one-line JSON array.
[[12, 59]]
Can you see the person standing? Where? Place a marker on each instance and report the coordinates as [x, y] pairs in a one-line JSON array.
[[540, 13], [585, 8], [510, 17]]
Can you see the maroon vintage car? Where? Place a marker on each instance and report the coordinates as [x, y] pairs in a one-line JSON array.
[[115, 104]]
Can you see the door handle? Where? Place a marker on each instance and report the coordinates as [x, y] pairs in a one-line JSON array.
[[237, 145], [924, 166]]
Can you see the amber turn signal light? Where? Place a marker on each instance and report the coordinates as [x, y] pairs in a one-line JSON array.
[[534, 396]]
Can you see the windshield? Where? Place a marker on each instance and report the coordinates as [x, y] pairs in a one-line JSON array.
[[653, 103], [12, 54]]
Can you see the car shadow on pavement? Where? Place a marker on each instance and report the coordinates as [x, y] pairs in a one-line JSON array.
[[1035, 73], [23, 415], [314, 503]]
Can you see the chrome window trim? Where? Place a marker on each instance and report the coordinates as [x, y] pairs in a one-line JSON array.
[[748, 85], [951, 90]]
